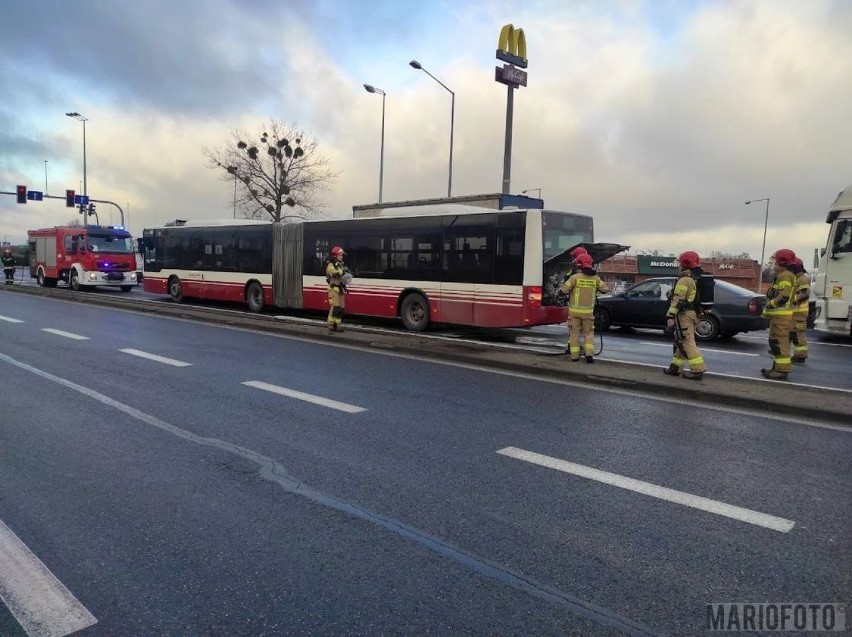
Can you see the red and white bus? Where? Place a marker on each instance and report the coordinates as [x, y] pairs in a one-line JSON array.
[[452, 264]]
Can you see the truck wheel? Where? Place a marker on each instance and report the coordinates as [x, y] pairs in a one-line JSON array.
[[254, 296], [175, 290], [126, 288], [415, 312], [75, 281], [42, 282]]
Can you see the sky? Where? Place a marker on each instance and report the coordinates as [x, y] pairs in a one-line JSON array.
[[658, 118]]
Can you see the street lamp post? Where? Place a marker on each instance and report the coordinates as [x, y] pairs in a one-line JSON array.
[[416, 65], [763, 249], [80, 118], [378, 91]]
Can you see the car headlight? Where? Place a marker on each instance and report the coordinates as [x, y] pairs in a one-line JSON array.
[[132, 276], [93, 276]]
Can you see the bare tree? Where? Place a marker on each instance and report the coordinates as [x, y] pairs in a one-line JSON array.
[[281, 176]]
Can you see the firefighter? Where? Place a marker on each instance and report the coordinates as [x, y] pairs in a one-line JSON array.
[[9, 264], [582, 288], [336, 276], [682, 318], [800, 303], [780, 313]]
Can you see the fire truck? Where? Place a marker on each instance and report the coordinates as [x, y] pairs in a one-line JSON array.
[[83, 257]]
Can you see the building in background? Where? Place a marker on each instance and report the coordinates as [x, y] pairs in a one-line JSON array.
[[623, 270]]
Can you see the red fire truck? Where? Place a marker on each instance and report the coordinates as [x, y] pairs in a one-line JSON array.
[[83, 257]]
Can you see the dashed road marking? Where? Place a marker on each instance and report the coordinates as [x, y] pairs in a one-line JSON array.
[[154, 357], [9, 319], [310, 398], [37, 600], [655, 491], [76, 337]]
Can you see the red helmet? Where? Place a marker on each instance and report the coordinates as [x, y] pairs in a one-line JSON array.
[[799, 262], [336, 250], [576, 252], [583, 261], [784, 257], [689, 260]]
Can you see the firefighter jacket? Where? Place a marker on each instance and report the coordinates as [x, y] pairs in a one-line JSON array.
[[334, 272], [684, 295], [582, 288], [801, 293], [780, 294], [9, 261]]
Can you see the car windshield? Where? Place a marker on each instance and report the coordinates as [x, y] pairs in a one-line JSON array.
[[110, 243]]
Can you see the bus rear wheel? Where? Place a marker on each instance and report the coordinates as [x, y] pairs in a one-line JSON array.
[[254, 296], [415, 312], [175, 290]]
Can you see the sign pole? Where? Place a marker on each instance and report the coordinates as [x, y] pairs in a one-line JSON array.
[[507, 150]]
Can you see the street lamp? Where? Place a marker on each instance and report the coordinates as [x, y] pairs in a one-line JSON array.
[[80, 118], [523, 192], [763, 249], [416, 65], [378, 91]]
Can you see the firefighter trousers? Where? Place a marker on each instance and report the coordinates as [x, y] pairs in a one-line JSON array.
[[798, 339], [779, 342], [684, 350], [336, 306], [586, 325]]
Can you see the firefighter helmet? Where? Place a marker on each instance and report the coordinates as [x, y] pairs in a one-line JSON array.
[[689, 260], [784, 257], [583, 260], [799, 262], [337, 250], [576, 252]]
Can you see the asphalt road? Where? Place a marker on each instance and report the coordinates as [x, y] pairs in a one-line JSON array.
[[743, 355], [248, 484]]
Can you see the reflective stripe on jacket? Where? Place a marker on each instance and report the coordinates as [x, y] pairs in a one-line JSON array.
[[801, 293], [683, 295], [779, 294], [582, 289], [333, 272]]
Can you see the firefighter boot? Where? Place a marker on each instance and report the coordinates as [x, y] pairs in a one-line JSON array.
[[773, 375], [693, 375], [799, 360], [672, 370], [590, 359]]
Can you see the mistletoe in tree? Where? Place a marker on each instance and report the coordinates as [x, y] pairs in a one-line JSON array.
[[280, 176]]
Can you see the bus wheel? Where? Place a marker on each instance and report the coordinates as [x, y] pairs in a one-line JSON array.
[[175, 290], [415, 312], [254, 296]]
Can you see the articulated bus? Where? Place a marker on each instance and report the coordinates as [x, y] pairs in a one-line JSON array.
[[452, 264]]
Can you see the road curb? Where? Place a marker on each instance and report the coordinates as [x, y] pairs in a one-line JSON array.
[[779, 398]]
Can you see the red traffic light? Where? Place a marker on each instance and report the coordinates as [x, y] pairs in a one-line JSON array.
[[22, 194], [69, 198]]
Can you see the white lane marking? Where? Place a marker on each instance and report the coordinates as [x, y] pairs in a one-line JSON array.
[[655, 491], [9, 319], [154, 357], [37, 600], [810, 341], [703, 349], [317, 400], [76, 337]]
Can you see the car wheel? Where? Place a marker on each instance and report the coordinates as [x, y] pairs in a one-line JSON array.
[[254, 296], [175, 290], [415, 312], [603, 320], [707, 328]]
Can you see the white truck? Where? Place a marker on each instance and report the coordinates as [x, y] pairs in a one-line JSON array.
[[831, 289]]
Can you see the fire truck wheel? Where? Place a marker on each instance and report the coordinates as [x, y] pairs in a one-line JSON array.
[[254, 296], [40, 279], [415, 312], [175, 290], [75, 281], [126, 288]]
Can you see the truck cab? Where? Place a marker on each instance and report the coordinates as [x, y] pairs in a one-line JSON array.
[[832, 285], [83, 257]]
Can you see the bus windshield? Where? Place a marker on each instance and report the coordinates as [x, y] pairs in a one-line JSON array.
[[110, 243], [561, 231]]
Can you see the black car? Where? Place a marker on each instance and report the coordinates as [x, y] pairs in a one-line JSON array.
[[645, 304]]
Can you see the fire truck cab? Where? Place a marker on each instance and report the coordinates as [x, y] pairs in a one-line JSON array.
[[83, 257]]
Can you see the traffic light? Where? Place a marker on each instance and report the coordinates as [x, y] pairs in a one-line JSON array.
[[22, 194], [69, 198], [91, 209]]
